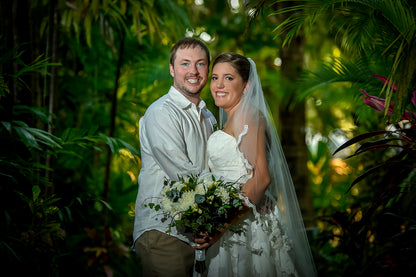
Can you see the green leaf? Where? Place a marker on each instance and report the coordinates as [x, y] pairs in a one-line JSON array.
[[374, 170], [236, 203], [132, 149], [7, 125], [375, 145], [87, 26], [27, 138], [199, 198], [23, 109], [35, 192], [208, 227], [46, 137], [173, 194], [105, 204]]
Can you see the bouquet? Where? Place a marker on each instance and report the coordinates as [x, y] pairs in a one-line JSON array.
[[196, 205]]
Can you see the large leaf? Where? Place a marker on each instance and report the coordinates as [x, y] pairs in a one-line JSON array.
[[375, 169], [375, 145], [358, 139], [27, 138]]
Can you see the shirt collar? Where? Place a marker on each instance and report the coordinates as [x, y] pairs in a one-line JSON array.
[[182, 101]]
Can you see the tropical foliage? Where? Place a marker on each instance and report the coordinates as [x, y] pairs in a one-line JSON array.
[[77, 75], [375, 39], [58, 208], [372, 33]]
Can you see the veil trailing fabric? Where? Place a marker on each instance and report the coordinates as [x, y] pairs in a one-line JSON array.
[[254, 112]]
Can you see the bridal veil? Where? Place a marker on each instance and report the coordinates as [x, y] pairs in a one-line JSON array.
[[254, 111]]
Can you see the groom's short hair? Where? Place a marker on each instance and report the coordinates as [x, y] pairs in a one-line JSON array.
[[188, 43]]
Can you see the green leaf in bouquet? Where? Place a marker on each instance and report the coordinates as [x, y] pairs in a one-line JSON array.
[[173, 194], [192, 182], [223, 210], [199, 198], [211, 191], [236, 202], [200, 220], [153, 206], [178, 223], [208, 227]]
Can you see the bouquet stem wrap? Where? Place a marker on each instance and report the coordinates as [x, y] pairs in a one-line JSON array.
[[200, 266]]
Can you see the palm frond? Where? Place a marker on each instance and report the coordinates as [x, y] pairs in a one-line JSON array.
[[158, 18], [363, 27], [340, 70]]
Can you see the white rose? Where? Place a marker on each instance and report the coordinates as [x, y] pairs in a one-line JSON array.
[[200, 189]]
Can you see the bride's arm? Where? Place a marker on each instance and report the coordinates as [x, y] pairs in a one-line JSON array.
[[255, 187]]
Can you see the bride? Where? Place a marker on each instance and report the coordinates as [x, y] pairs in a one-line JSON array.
[[247, 150]]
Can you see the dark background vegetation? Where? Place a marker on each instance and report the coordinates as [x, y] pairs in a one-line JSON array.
[[77, 75]]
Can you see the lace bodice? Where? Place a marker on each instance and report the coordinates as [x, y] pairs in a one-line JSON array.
[[225, 158]]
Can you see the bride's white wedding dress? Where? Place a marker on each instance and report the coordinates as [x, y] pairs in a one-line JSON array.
[[263, 249]]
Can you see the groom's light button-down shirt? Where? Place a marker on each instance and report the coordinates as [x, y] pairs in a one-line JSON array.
[[173, 135]]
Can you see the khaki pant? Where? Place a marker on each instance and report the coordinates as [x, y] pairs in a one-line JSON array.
[[164, 255]]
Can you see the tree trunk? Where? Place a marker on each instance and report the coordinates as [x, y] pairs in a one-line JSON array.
[[51, 53], [293, 121], [8, 69], [16, 32], [113, 117]]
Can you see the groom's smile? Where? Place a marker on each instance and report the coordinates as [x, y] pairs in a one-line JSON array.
[[193, 81]]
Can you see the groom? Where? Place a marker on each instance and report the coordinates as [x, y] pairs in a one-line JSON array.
[[173, 135]]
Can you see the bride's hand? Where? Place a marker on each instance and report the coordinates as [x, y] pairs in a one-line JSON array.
[[202, 240], [205, 240]]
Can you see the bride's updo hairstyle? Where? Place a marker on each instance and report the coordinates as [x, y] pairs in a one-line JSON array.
[[240, 63]]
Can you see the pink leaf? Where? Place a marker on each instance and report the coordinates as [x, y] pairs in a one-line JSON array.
[[384, 79], [372, 101]]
